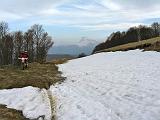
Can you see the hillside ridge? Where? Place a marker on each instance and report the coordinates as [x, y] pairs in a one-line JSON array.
[[152, 44]]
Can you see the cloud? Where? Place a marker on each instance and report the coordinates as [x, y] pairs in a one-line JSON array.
[[87, 15], [110, 4], [4, 15], [109, 27], [28, 8], [131, 4]]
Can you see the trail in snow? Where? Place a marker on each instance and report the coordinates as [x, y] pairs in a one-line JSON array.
[[110, 86]]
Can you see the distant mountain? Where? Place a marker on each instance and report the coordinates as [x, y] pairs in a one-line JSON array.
[[83, 46], [87, 42]]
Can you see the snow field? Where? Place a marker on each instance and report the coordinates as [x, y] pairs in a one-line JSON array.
[[110, 86], [33, 102]]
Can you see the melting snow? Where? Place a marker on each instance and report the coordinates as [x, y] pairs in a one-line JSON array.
[[33, 102]]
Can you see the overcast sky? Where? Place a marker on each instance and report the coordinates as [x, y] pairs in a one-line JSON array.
[[69, 20]]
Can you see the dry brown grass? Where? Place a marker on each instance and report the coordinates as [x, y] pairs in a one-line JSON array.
[[59, 61], [145, 44], [37, 75], [10, 114]]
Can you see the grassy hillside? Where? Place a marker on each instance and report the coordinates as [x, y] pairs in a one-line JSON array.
[[149, 44]]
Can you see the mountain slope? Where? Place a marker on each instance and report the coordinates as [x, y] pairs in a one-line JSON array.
[[133, 34], [152, 44], [110, 86]]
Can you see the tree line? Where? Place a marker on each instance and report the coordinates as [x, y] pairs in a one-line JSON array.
[[35, 40], [133, 34]]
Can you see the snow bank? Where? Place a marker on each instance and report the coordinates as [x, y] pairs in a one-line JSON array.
[[33, 102], [110, 86]]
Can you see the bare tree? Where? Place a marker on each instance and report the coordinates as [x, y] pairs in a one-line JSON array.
[[3, 32], [18, 45], [42, 42], [37, 36], [8, 49], [156, 27], [29, 44]]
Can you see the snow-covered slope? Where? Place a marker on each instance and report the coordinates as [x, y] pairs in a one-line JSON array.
[[110, 86]]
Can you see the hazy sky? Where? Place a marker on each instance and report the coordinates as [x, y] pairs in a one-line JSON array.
[[69, 20]]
